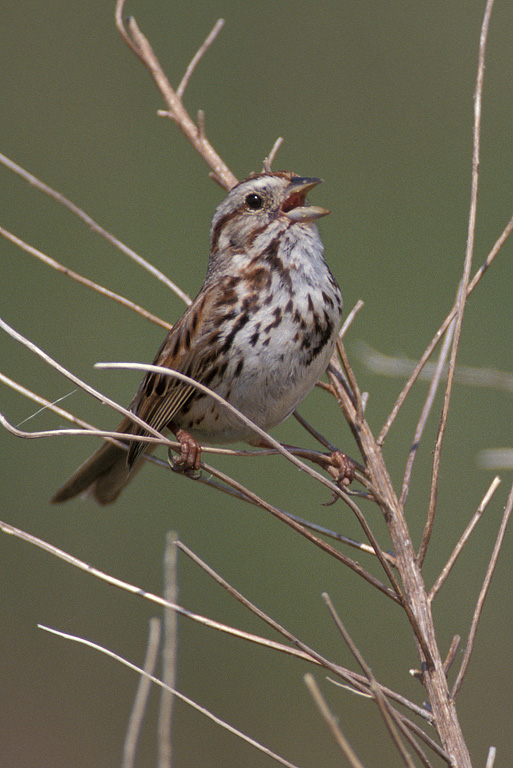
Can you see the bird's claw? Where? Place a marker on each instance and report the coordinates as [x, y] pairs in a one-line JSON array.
[[342, 469], [190, 453]]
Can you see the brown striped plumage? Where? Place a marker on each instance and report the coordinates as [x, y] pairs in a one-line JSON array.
[[259, 333]]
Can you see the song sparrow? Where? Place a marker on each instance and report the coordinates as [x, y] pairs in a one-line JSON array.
[[260, 333]]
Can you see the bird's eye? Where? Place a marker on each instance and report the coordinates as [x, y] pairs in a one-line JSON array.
[[254, 201]]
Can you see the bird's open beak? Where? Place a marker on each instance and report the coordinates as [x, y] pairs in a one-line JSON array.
[[295, 207]]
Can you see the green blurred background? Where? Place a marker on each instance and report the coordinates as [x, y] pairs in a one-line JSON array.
[[375, 98]]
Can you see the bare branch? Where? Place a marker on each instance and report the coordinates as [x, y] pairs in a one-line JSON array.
[[140, 45], [47, 405], [390, 716], [42, 187], [355, 681], [82, 384], [258, 612], [343, 539], [87, 430], [83, 280], [169, 652], [453, 650], [350, 318], [482, 596], [463, 539], [508, 229], [157, 599], [312, 431], [465, 281], [332, 722], [269, 160], [201, 124], [198, 56], [433, 389], [293, 523], [353, 384], [141, 697], [114, 437], [185, 699]]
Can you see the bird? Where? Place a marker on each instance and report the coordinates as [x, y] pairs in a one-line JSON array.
[[260, 333]]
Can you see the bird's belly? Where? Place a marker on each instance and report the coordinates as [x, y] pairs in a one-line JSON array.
[[265, 380]]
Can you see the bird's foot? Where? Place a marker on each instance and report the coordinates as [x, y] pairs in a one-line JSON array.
[[190, 452]]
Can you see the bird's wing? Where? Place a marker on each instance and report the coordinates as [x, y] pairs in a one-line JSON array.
[[190, 349]]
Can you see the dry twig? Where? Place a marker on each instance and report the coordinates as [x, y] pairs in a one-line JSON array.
[[185, 699], [332, 722], [194, 134], [141, 697], [94, 226], [482, 596], [463, 539], [169, 653]]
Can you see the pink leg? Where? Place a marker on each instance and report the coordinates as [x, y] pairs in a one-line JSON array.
[[342, 468], [337, 464], [190, 457]]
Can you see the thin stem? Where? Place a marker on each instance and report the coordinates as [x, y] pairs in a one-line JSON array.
[[239, 491], [114, 437], [388, 713], [141, 697], [353, 384], [47, 404], [83, 280], [414, 604], [354, 680], [482, 596], [463, 540], [169, 653], [185, 699], [506, 232], [312, 431], [453, 650], [332, 722], [351, 677], [508, 229], [93, 225], [269, 160], [140, 45], [293, 523], [350, 318], [82, 384], [257, 611], [157, 599], [198, 56], [426, 410], [463, 289]]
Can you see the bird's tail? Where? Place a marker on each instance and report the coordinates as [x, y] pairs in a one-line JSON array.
[[103, 475]]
